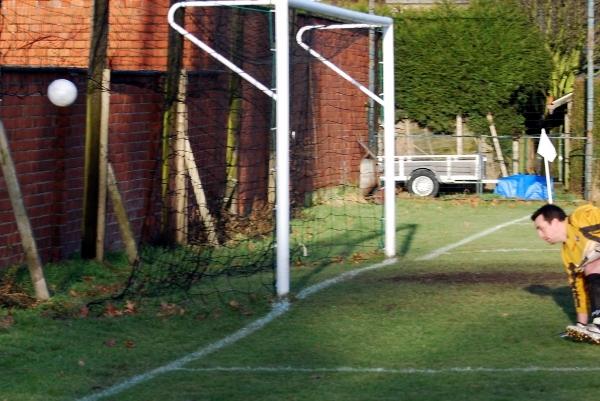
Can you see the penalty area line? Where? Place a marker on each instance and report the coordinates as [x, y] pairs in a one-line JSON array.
[[501, 250], [344, 369], [279, 309], [445, 249]]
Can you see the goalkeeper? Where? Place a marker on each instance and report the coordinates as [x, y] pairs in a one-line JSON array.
[[580, 235]]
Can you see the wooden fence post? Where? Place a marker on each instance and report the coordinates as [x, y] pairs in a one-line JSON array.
[[34, 262]]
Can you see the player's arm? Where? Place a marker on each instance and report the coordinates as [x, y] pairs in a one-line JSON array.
[[588, 220]]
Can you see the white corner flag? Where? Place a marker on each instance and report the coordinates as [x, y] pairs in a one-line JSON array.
[[547, 150], [545, 147]]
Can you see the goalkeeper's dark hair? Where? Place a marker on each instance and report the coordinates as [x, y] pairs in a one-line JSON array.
[[550, 212]]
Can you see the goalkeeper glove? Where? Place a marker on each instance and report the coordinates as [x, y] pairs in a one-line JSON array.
[[591, 252]]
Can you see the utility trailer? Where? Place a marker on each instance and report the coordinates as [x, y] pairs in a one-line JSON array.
[[423, 174]]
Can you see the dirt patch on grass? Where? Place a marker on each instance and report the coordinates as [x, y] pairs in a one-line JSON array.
[[513, 279]]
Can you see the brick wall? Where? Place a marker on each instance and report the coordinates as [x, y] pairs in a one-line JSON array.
[[47, 142]]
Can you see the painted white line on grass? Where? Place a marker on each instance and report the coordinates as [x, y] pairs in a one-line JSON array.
[[505, 250], [278, 309], [344, 276], [445, 249], [343, 369]]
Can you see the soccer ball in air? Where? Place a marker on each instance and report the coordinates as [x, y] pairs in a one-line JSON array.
[[62, 92]]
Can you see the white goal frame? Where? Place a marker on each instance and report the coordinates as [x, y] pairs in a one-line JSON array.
[[281, 94]]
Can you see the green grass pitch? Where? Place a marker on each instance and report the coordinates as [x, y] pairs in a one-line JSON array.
[[478, 322]]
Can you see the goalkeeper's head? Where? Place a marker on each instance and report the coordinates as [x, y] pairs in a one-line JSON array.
[[550, 222]]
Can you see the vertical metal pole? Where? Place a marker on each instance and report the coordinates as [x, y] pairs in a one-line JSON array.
[[481, 167], [589, 144], [282, 145], [371, 118], [388, 144]]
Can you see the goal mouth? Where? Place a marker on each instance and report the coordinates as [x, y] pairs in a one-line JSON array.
[[262, 170]]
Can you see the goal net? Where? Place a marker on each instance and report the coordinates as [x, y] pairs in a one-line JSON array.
[[269, 162]]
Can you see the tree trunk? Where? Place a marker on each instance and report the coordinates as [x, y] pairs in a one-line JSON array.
[[515, 158], [459, 135], [497, 146]]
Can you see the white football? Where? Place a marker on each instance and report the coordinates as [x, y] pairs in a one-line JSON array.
[[62, 92]]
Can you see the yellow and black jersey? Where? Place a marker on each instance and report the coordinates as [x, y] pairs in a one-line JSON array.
[[583, 225]]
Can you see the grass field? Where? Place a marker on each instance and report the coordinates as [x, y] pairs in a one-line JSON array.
[[469, 310]]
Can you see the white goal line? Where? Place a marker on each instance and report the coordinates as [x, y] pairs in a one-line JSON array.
[[503, 250], [278, 309], [345, 369]]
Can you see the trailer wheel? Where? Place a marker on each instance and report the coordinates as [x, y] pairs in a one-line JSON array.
[[423, 183]]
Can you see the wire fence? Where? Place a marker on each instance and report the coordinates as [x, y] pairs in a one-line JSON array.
[[500, 156]]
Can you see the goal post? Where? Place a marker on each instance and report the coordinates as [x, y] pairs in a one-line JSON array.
[[281, 95]]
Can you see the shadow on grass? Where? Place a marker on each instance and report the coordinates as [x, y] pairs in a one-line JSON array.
[[562, 296], [405, 240], [409, 233]]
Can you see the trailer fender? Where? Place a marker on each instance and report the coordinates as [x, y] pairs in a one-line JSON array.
[[419, 169]]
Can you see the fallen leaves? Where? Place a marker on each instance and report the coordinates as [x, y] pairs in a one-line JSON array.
[[7, 321], [129, 309], [113, 343], [12, 295], [169, 310], [337, 259], [241, 308], [472, 201], [84, 311], [96, 290]]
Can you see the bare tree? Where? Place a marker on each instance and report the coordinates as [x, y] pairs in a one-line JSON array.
[[563, 25]]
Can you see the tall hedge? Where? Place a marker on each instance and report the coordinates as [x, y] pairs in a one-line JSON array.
[[469, 61]]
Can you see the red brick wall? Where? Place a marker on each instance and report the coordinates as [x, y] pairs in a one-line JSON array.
[[327, 114], [47, 145], [45, 142]]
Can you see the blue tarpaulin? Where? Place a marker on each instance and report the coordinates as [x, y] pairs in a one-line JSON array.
[[523, 186]]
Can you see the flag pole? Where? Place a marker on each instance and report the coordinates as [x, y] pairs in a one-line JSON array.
[[548, 181], [547, 150]]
